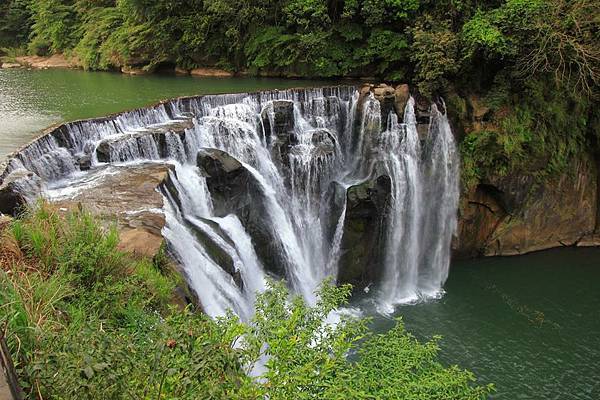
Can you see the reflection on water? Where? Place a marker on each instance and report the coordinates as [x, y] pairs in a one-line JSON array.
[[32, 100], [529, 324]]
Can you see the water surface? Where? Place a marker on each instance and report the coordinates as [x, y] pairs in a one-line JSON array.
[[32, 100], [530, 324]]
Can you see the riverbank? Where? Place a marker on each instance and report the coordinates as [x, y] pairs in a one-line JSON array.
[[60, 61]]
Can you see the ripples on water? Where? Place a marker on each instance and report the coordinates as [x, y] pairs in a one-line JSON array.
[[530, 324]]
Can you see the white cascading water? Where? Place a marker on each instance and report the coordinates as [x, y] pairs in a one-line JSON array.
[[333, 138], [401, 159]]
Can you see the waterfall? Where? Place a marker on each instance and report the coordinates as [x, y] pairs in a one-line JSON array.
[[248, 194], [400, 148], [441, 171]]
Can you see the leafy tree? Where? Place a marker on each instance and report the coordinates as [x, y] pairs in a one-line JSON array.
[[55, 26], [435, 54], [564, 42], [14, 22]]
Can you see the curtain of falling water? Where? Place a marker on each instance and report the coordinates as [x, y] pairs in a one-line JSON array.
[[334, 139]]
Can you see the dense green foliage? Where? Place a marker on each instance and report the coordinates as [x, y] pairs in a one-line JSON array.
[[534, 63], [540, 134], [84, 320], [423, 40]]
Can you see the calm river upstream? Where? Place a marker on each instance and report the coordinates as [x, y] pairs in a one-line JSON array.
[[529, 324], [33, 100]]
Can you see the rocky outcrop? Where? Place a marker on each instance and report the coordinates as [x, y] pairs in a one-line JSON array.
[[211, 72], [231, 186], [323, 142], [519, 214], [10, 65], [401, 96], [129, 195], [394, 99], [142, 143], [278, 128], [43, 62], [18, 189], [364, 229], [134, 71], [181, 71], [234, 190], [215, 250]]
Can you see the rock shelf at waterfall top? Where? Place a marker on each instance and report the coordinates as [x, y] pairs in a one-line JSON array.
[[357, 184]]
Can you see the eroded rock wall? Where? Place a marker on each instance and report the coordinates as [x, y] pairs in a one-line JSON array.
[[517, 214], [521, 213]]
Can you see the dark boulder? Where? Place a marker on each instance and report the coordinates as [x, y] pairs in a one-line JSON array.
[[214, 250], [84, 162], [234, 190], [331, 209], [230, 184], [363, 240], [18, 189], [323, 141], [278, 122], [103, 151]]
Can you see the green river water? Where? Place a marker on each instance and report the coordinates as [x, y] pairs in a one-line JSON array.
[[529, 324], [33, 100]]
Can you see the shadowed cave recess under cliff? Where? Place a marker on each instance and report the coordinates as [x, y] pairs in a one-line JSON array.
[[305, 184]]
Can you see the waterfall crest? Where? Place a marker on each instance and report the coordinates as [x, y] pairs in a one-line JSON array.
[[285, 183]]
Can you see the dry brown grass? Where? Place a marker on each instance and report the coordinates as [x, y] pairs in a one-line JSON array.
[[10, 252]]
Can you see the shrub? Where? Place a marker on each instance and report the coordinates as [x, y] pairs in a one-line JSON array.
[[111, 333]]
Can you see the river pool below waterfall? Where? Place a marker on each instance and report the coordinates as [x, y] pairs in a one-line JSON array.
[[529, 324]]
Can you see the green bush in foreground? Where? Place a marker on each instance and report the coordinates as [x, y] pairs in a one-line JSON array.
[[86, 321]]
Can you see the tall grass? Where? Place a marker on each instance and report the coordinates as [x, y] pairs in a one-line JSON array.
[[59, 272]]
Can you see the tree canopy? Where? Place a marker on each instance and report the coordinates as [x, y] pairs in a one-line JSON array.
[[424, 41]]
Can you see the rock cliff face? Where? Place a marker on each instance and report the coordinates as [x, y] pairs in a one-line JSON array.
[[127, 195], [519, 213], [515, 214], [234, 190]]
